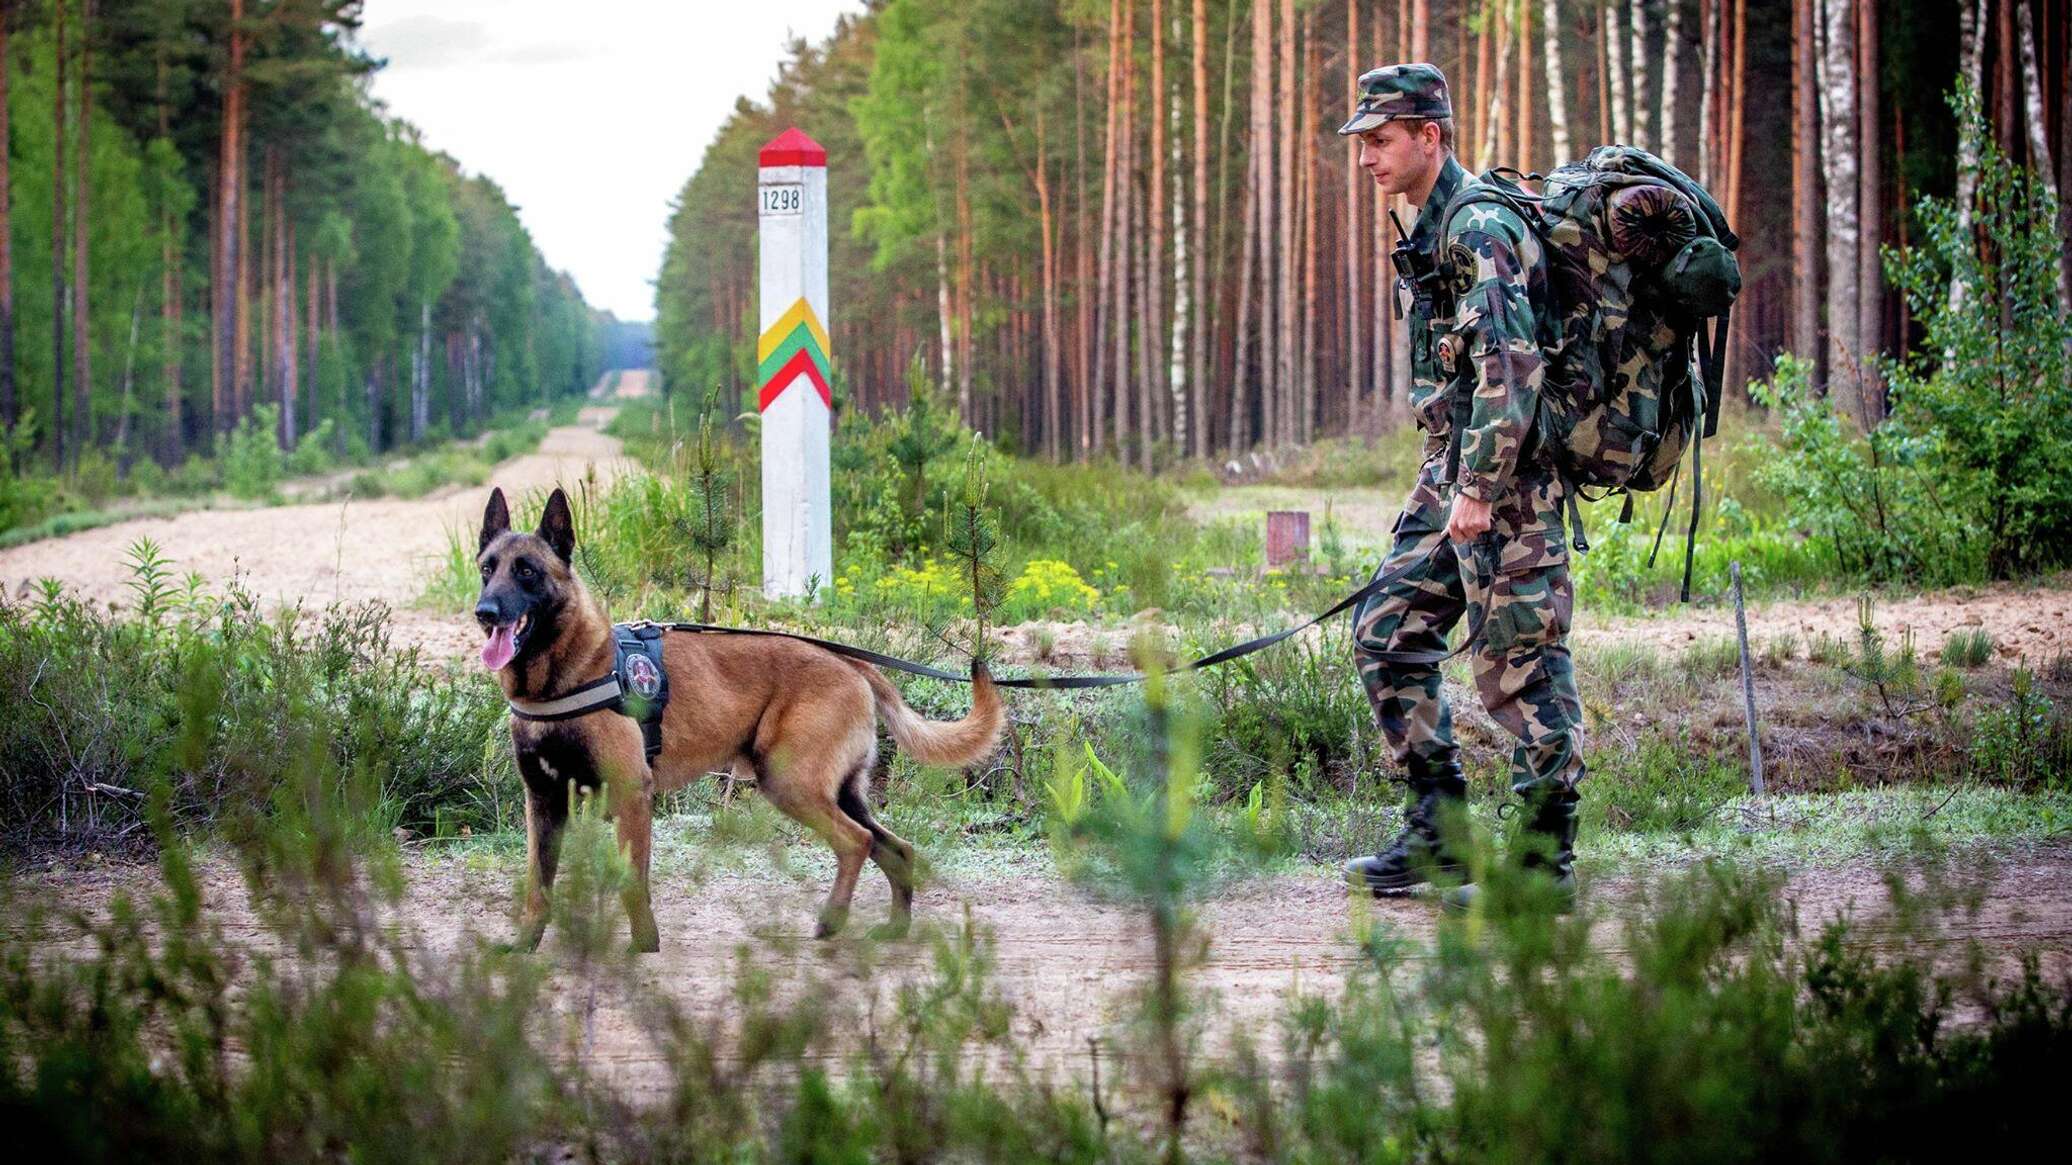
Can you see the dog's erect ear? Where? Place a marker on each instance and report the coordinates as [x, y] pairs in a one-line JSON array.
[[495, 519], [558, 526]]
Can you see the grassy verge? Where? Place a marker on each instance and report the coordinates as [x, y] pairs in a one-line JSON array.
[[254, 473], [1712, 1023]]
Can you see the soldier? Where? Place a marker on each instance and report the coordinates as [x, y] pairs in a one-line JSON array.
[[1481, 533]]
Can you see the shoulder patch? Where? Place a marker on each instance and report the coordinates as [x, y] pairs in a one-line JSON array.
[[1460, 266]]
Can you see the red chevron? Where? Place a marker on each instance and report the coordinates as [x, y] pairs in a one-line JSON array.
[[800, 362]]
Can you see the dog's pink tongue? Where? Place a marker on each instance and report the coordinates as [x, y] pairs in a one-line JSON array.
[[499, 648]]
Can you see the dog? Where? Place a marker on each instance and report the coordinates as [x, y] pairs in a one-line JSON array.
[[798, 720]]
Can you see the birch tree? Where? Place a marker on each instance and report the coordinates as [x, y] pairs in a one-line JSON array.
[[1612, 37], [1971, 74], [2039, 139], [1637, 61], [1838, 146], [1557, 84], [1805, 219], [1672, 56]]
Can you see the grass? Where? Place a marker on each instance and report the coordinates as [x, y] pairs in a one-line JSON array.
[[318, 1027], [69, 507]]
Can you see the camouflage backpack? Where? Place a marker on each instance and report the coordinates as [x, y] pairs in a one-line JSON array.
[[1639, 259]]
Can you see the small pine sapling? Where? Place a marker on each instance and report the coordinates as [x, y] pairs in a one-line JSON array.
[[971, 539], [710, 524]]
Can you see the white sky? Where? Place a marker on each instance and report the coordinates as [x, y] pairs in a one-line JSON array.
[[590, 115]]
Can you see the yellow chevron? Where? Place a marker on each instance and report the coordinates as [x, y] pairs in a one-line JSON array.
[[794, 315]]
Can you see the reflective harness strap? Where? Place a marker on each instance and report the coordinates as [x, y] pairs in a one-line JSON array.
[[636, 687]]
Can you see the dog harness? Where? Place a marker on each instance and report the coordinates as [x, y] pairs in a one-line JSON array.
[[636, 687]]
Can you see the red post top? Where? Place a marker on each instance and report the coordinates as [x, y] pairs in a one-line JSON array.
[[792, 148]]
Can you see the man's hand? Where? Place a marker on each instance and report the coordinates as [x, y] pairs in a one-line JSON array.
[[1469, 519]]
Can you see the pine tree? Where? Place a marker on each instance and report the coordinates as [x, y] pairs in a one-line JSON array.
[[971, 538], [710, 526]]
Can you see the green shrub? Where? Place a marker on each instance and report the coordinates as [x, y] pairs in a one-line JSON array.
[[192, 689], [252, 460], [1962, 482], [2026, 741], [313, 452]]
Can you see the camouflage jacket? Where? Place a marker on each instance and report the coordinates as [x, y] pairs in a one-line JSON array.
[[1472, 331]]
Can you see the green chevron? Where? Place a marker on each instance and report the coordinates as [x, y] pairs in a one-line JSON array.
[[801, 338]]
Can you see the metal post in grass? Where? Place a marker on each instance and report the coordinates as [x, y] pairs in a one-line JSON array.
[[792, 371], [1755, 743]]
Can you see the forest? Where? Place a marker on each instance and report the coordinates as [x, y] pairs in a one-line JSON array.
[[207, 221], [1127, 228]]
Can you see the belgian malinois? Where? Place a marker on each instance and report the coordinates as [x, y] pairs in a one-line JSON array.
[[796, 719]]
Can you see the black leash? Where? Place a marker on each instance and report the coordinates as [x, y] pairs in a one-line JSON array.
[[1108, 681]]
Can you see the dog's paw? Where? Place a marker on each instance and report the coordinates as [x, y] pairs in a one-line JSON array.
[[831, 923], [892, 929]]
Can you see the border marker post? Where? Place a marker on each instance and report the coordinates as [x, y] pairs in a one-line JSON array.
[[792, 365]]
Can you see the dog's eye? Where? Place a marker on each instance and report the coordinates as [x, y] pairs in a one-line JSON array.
[[525, 571], [487, 570]]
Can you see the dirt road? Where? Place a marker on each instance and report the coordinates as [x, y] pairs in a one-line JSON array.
[[1068, 964], [324, 552]]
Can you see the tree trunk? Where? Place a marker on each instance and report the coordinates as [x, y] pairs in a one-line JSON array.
[[1285, 252], [170, 331], [1097, 405], [1710, 151], [1736, 89], [1521, 154], [1051, 420], [1971, 70], [316, 343], [10, 407], [1241, 372], [1672, 52], [59, 301], [2004, 83], [1839, 160], [284, 296], [2038, 123], [1805, 184], [1083, 398], [1496, 118], [2064, 23], [1355, 240], [1306, 354], [1198, 358], [1183, 304], [1125, 239], [1399, 333], [1478, 114], [126, 407], [1263, 202], [1870, 283], [227, 281], [967, 288], [1613, 16], [1158, 390], [1637, 60]]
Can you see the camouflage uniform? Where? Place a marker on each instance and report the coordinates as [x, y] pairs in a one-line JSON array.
[[1514, 580]]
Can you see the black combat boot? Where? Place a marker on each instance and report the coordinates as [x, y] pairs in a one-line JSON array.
[[1438, 798], [1545, 849]]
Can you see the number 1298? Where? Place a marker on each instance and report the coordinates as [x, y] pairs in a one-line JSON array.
[[782, 199]]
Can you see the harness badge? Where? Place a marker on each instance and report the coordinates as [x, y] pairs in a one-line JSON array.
[[643, 677]]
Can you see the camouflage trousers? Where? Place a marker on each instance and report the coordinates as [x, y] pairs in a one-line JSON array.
[[1522, 670]]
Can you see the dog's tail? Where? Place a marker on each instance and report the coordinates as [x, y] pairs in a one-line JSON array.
[[950, 743]]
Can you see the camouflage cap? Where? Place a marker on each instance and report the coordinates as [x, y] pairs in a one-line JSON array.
[[1393, 91]]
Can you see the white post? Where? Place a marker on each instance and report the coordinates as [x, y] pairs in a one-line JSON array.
[[792, 365]]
